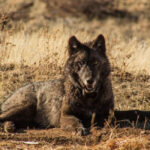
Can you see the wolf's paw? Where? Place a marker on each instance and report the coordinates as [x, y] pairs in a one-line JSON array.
[[82, 131], [9, 127]]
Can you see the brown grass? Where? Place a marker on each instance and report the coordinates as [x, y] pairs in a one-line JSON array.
[[131, 54], [35, 49]]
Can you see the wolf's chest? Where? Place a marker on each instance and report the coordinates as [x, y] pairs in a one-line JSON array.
[[85, 109]]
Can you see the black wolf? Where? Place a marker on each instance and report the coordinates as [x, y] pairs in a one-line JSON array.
[[70, 102]]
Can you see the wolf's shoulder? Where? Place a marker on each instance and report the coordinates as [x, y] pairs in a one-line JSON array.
[[53, 86]]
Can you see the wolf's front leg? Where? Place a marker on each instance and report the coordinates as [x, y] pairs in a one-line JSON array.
[[68, 121], [105, 117], [71, 123]]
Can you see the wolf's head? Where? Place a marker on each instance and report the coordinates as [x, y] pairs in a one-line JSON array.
[[87, 66]]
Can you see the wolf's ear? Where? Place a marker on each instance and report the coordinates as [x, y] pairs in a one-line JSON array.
[[74, 45], [99, 44]]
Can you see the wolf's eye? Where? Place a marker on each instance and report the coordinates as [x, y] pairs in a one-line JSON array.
[[80, 63], [95, 63]]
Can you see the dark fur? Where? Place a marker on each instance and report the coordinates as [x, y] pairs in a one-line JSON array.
[[79, 104], [67, 103]]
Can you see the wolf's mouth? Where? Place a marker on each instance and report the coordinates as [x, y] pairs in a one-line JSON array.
[[90, 89]]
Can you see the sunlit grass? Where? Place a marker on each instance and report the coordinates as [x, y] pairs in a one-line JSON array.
[[129, 55], [38, 56]]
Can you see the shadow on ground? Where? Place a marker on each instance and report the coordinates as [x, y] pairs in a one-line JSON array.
[[132, 118]]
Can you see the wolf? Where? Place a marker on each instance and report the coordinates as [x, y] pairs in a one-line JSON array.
[[68, 103]]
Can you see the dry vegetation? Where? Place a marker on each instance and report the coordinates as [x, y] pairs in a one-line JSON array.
[[33, 47]]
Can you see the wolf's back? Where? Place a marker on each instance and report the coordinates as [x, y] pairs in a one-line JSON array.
[[38, 102]]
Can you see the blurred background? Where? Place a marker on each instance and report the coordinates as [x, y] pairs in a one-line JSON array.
[[132, 16]]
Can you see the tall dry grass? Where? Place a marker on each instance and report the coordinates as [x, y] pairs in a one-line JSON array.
[[130, 55], [28, 57]]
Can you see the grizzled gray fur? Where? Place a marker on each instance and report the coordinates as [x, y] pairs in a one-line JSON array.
[[70, 102]]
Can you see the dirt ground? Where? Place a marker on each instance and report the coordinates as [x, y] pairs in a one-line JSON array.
[[112, 138]]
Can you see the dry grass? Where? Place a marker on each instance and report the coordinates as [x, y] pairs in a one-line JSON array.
[[37, 50], [41, 56], [132, 55], [111, 139]]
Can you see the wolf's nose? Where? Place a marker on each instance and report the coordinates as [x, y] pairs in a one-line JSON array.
[[90, 81]]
